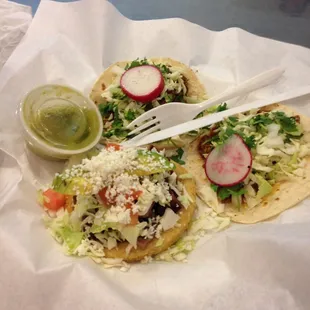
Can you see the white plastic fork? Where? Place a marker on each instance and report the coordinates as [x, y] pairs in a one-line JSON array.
[[216, 117], [175, 113]]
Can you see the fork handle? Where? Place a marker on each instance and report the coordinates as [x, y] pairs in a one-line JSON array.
[[218, 117], [243, 88]]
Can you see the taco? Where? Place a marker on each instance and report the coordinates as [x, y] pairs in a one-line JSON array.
[[253, 166], [177, 83], [122, 204]]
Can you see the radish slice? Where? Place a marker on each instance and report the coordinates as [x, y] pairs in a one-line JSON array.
[[229, 164], [144, 83]]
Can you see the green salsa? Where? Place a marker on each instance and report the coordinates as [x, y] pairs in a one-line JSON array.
[[65, 126]]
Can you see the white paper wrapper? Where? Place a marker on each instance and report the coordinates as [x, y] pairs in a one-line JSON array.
[[14, 22], [262, 266]]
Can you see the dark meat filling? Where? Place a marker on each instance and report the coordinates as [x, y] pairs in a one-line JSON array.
[[143, 243], [297, 118], [173, 95], [158, 210], [205, 145], [228, 200], [243, 200]]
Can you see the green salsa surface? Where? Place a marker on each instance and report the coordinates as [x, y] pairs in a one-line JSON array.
[[64, 126]]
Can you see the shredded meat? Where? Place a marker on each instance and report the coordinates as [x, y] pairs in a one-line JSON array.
[[158, 210], [149, 214], [226, 200], [297, 118], [243, 200], [175, 204], [255, 187], [267, 108], [204, 146], [162, 101], [185, 80], [143, 243]]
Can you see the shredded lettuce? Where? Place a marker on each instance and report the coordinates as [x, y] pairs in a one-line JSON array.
[[72, 239], [131, 234], [118, 110], [63, 232], [277, 146], [205, 223]]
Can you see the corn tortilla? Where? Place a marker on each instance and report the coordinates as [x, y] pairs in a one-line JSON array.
[[194, 87], [168, 237], [285, 195]]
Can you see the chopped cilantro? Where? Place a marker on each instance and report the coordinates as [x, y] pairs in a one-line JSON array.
[[106, 109], [136, 63], [261, 119], [200, 115], [107, 134], [168, 97], [250, 142], [117, 132], [178, 158], [117, 123], [218, 108], [117, 93], [224, 135], [233, 120], [288, 124], [163, 68], [226, 192], [214, 187], [121, 132], [179, 97], [130, 115], [116, 117], [288, 137], [221, 107]]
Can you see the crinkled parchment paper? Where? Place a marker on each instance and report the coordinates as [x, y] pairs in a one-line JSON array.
[[14, 21], [264, 266]]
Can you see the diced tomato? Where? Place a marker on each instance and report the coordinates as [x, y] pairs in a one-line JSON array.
[[134, 217], [106, 201], [53, 200], [134, 194], [116, 146]]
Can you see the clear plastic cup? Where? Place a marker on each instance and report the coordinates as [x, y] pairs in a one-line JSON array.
[[59, 121]]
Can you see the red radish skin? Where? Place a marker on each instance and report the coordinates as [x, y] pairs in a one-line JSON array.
[[229, 164], [143, 84]]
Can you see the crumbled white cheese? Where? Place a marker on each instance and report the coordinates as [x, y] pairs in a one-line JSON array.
[[117, 214], [108, 182]]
